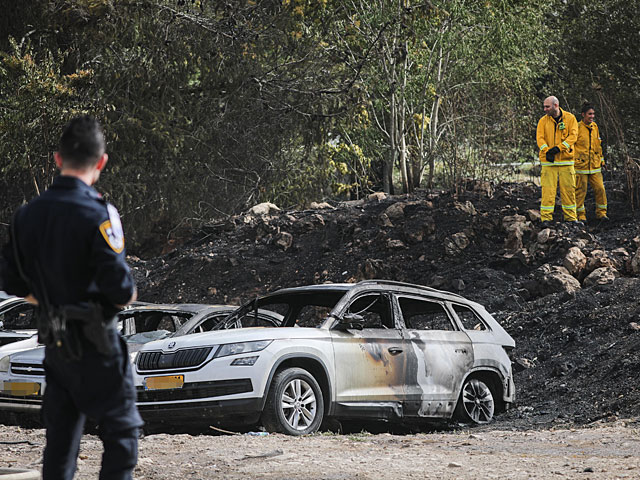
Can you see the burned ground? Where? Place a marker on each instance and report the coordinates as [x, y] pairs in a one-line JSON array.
[[577, 354]]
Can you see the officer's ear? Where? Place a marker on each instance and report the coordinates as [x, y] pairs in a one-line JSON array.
[[102, 162], [58, 158]]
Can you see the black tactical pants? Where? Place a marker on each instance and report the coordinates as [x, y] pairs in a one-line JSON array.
[[99, 387]]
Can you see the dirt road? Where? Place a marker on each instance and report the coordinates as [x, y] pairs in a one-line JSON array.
[[604, 451]]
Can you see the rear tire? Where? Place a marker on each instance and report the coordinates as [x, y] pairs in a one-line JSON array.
[[476, 403], [294, 404]]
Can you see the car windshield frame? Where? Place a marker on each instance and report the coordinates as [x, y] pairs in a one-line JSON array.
[[294, 299]]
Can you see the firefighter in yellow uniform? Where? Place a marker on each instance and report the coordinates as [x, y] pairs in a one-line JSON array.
[[557, 133], [589, 162]]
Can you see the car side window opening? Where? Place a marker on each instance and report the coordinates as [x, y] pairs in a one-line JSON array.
[[374, 309], [469, 319], [312, 315], [421, 314]]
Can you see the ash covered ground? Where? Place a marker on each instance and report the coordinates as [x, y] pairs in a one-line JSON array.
[[569, 296]]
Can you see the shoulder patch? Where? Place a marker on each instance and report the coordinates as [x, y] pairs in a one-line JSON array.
[[111, 230]]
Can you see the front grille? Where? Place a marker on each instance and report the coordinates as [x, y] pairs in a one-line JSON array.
[[180, 359], [194, 390], [27, 369]]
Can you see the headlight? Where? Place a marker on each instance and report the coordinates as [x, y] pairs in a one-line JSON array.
[[244, 347], [132, 357], [5, 363]]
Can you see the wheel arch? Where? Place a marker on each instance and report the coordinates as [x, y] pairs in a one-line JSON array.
[[310, 363], [493, 379]]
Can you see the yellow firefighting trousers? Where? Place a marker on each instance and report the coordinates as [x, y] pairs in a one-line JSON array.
[[549, 179], [595, 180]]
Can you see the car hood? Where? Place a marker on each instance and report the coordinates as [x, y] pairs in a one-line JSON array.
[[19, 346], [234, 336], [34, 355]]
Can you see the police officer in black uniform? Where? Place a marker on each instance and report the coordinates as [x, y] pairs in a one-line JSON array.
[[66, 254]]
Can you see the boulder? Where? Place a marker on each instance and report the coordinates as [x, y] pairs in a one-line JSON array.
[[558, 279], [599, 259], [545, 235], [575, 261], [466, 207], [534, 215], [395, 211], [458, 284], [320, 206], [635, 262], [455, 244], [265, 208], [601, 276], [384, 221], [515, 226], [393, 244], [284, 240], [377, 197]]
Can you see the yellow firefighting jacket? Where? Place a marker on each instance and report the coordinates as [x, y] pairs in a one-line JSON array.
[[588, 149], [562, 134]]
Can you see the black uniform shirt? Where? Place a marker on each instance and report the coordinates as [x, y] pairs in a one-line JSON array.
[[74, 238]]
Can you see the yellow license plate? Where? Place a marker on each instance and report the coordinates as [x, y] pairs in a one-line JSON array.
[[21, 389], [164, 383]]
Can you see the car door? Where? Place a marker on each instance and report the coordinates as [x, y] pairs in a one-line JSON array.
[[443, 355], [370, 363]]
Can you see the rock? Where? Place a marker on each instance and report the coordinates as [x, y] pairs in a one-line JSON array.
[[454, 465], [544, 235], [558, 279], [320, 206], [601, 276], [438, 282], [395, 244], [455, 244], [575, 261], [458, 284], [429, 226], [534, 215], [234, 262], [634, 326], [212, 291], [384, 221], [413, 233], [598, 259], [377, 196], [588, 470], [395, 211], [284, 240], [515, 226], [264, 208], [371, 269], [635, 262], [521, 364], [466, 207]]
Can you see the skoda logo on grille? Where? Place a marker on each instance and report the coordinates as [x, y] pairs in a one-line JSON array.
[[171, 345]]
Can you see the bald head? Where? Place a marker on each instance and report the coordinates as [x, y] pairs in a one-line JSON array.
[[551, 106]]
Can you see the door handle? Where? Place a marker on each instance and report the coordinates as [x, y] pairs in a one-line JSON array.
[[394, 350]]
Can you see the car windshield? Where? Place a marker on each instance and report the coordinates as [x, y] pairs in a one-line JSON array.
[[298, 309], [20, 317], [152, 325]]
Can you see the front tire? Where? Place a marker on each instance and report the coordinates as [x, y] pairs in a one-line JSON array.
[[294, 404], [476, 404]]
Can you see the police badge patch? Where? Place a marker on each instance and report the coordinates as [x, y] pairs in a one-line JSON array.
[[111, 230]]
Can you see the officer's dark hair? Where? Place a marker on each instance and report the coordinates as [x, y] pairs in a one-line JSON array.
[[586, 107], [82, 142]]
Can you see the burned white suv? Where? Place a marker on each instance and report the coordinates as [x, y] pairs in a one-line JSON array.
[[375, 349]]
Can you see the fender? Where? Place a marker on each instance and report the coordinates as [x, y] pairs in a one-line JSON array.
[[328, 408]]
